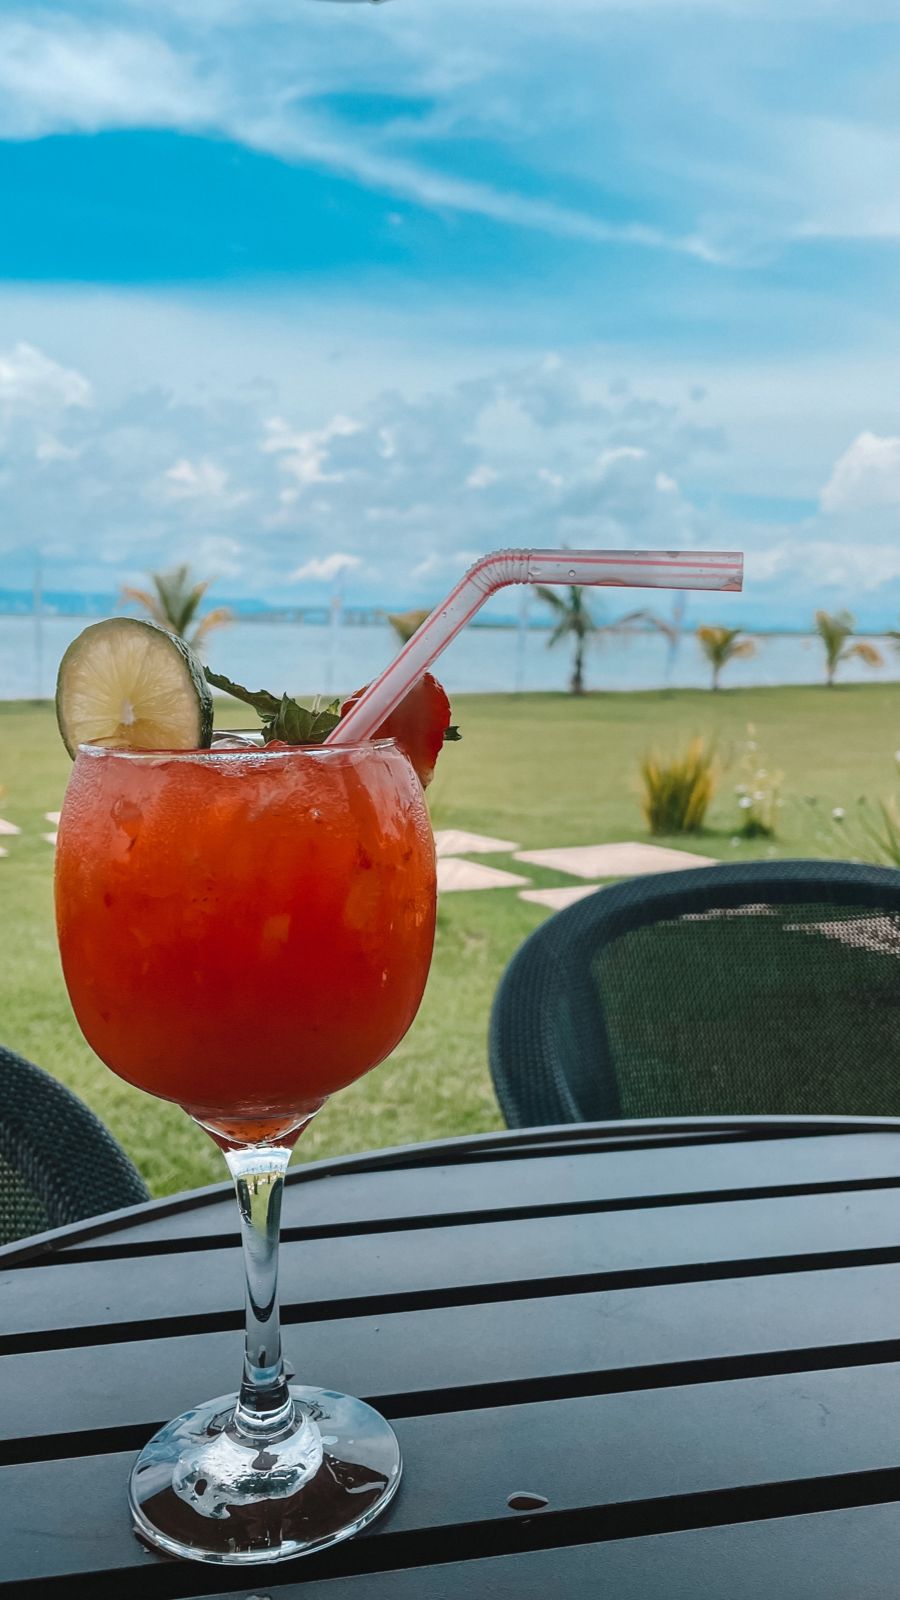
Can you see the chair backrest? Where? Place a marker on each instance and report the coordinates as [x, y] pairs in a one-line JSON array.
[[58, 1163], [753, 989]]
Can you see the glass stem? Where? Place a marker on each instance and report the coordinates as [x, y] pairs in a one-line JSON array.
[[264, 1405]]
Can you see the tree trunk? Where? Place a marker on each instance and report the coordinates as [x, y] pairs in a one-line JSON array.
[[716, 670], [576, 686]]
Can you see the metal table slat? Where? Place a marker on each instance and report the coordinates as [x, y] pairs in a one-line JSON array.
[[376, 1272], [598, 1178], [836, 1555], [599, 1456], [415, 1361]]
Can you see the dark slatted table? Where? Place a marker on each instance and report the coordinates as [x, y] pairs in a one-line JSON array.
[[683, 1337]]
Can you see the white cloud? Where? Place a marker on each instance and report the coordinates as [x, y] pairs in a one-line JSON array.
[[201, 481], [449, 563], [60, 75], [830, 569], [324, 569], [866, 476], [150, 469], [305, 454], [612, 457], [309, 144], [818, 158], [31, 383], [144, 479], [222, 556], [760, 566], [49, 448], [482, 477]]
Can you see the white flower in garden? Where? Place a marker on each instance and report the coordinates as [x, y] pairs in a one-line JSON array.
[[838, 813], [744, 802]]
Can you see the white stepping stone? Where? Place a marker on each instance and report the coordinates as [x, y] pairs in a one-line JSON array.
[[629, 860], [558, 899], [53, 816], [8, 827], [454, 842], [454, 874], [50, 837]]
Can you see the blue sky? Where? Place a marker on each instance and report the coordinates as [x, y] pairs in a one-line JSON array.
[[312, 291]]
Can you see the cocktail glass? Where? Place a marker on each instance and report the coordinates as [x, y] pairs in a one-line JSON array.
[[244, 931]]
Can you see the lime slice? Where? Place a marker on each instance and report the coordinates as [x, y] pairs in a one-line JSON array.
[[131, 685]]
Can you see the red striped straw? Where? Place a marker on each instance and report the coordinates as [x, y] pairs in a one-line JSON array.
[[624, 569]]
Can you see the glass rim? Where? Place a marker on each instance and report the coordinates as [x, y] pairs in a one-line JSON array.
[[217, 753]]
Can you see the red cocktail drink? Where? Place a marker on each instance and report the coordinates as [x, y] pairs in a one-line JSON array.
[[245, 931]]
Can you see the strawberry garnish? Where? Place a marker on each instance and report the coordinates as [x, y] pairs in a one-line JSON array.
[[420, 724]]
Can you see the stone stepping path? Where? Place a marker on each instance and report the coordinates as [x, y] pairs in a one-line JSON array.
[[627, 860], [454, 842], [454, 874], [558, 899]]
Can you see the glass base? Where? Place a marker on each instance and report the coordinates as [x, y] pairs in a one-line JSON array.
[[208, 1491]]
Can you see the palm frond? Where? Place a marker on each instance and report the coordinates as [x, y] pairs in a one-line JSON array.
[[406, 623], [652, 618], [219, 617], [149, 602], [864, 651], [550, 597], [174, 600]]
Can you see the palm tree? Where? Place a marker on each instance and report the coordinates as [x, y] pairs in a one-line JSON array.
[[834, 630], [576, 622], [406, 623], [173, 602], [721, 645]]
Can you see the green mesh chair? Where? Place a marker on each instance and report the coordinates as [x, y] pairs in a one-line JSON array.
[[58, 1163], [756, 989]]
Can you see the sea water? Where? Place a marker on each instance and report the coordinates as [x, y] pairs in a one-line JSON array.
[[309, 658]]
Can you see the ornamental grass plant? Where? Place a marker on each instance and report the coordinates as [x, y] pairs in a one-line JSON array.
[[677, 790]]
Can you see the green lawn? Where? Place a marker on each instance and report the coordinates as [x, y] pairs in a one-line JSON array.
[[540, 769]]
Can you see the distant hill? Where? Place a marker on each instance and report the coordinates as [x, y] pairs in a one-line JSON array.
[[77, 603]]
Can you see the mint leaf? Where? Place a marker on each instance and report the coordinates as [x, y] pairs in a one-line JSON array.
[[283, 719], [297, 724], [260, 699]]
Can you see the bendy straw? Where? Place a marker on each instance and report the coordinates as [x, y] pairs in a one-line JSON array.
[[626, 569]]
